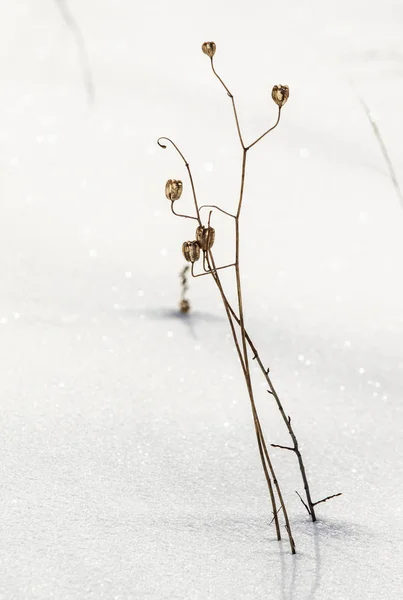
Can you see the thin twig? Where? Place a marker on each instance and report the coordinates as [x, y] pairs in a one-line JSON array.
[[309, 512], [274, 517], [72, 24], [283, 447], [233, 103], [217, 208], [328, 498], [268, 131], [188, 170]]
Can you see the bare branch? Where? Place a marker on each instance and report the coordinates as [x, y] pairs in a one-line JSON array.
[[283, 447], [328, 498], [309, 512], [188, 170], [217, 208], [233, 103], [268, 131]]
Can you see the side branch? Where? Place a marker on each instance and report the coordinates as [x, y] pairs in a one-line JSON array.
[[328, 498], [283, 447], [268, 131], [232, 100], [189, 173], [309, 512]]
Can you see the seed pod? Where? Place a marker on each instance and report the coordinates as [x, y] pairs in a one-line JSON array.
[[173, 189], [209, 48], [205, 237], [184, 306], [280, 94], [191, 251]]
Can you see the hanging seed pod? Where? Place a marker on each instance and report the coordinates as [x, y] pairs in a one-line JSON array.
[[280, 94], [173, 189], [205, 237], [209, 48], [191, 251]]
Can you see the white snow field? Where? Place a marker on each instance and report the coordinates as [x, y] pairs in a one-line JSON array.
[[128, 462]]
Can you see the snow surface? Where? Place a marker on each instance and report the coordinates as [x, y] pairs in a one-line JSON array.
[[129, 467]]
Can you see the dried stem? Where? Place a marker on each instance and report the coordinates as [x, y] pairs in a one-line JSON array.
[[259, 435], [328, 498], [232, 101], [189, 173], [268, 131], [299, 496], [287, 421]]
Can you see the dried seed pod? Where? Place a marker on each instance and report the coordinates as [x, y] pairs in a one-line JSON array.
[[191, 251], [205, 237], [209, 48], [173, 189], [280, 94], [184, 306]]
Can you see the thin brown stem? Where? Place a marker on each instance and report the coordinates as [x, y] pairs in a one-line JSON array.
[[233, 103], [268, 131], [188, 170], [209, 271], [238, 212], [217, 208], [287, 421], [179, 215], [259, 434]]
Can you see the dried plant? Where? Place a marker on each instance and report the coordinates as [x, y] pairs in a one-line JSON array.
[[201, 248]]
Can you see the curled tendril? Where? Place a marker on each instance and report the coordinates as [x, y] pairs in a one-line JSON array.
[[174, 145], [188, 170]]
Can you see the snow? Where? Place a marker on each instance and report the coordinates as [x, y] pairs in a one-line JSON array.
[[129, 467]]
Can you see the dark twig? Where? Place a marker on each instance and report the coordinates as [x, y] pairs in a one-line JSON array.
[[328, 498], [274, 516], [309, 512], [283, 447], [82, 50]]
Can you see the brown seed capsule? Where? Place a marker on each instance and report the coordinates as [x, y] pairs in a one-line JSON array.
[[184, 306], [191, 251], [205, 237], [280, 94], [209, 48], [173, 189]]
